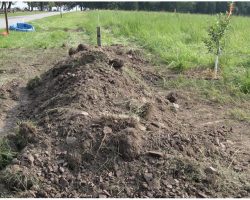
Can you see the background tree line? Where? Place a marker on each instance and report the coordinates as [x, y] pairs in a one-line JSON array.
[[241, 8]]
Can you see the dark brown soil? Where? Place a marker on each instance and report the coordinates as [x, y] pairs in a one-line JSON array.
[[102, 132]]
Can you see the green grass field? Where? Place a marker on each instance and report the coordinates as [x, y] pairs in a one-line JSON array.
[[177, 39]]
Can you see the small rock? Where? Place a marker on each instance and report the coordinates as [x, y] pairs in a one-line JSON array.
[[155, 184], [30, 158], [144, 185], [217, 141], [35, 187], [202, 195], [148, 176], [237, 168], [155, 154], [158, 124], [175, 107], [116, 63], [16, 161], [61, 170], [55, 168], [141, 127], [41, 194], [81, 47], [71, 140], [84, 113], [169, 186], [107, 130], [118, 173], [50, 169], [223, 147], [39, 173], [63, 182], [86, 144], [149, 194], [181, 147], [210, 170], [102, 196], [60, 161], [72, 51], [106, 193]]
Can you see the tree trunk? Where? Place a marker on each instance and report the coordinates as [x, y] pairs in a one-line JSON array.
[[6, 17], [41, 6]]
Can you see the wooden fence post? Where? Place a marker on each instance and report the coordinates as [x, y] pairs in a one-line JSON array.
[[98, 32]]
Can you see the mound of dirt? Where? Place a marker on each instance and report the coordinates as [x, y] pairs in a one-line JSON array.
[[103, 132]]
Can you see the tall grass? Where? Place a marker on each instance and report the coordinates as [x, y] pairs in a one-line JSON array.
[[176, 38]]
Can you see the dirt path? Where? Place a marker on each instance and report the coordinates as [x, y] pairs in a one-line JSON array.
[[10, 118], [14, 74]]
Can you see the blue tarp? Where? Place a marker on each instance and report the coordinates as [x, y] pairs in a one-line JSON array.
[[24, 27]]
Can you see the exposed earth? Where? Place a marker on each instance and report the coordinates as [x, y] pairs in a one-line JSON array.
[[95, 124]]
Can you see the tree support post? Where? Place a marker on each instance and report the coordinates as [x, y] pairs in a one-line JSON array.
[[216, 66], [98, 32], [216, 63]]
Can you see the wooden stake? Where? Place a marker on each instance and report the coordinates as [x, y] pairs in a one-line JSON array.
[[6, 18], [98, 32]]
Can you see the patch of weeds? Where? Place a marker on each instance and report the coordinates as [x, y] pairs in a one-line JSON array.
[[245, 87], [133, 75], [239, 115], [33, 83], [232, 182], [26, 133], [16, 179], [179, 67], [143, 111], [218, 91], [185, 167], [6, 154], [216, 95]]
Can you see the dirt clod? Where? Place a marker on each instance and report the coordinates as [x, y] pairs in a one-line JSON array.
[[116, 63], [72, 51], [81, 47], [172, 97], [129, 143], [28, 132]]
